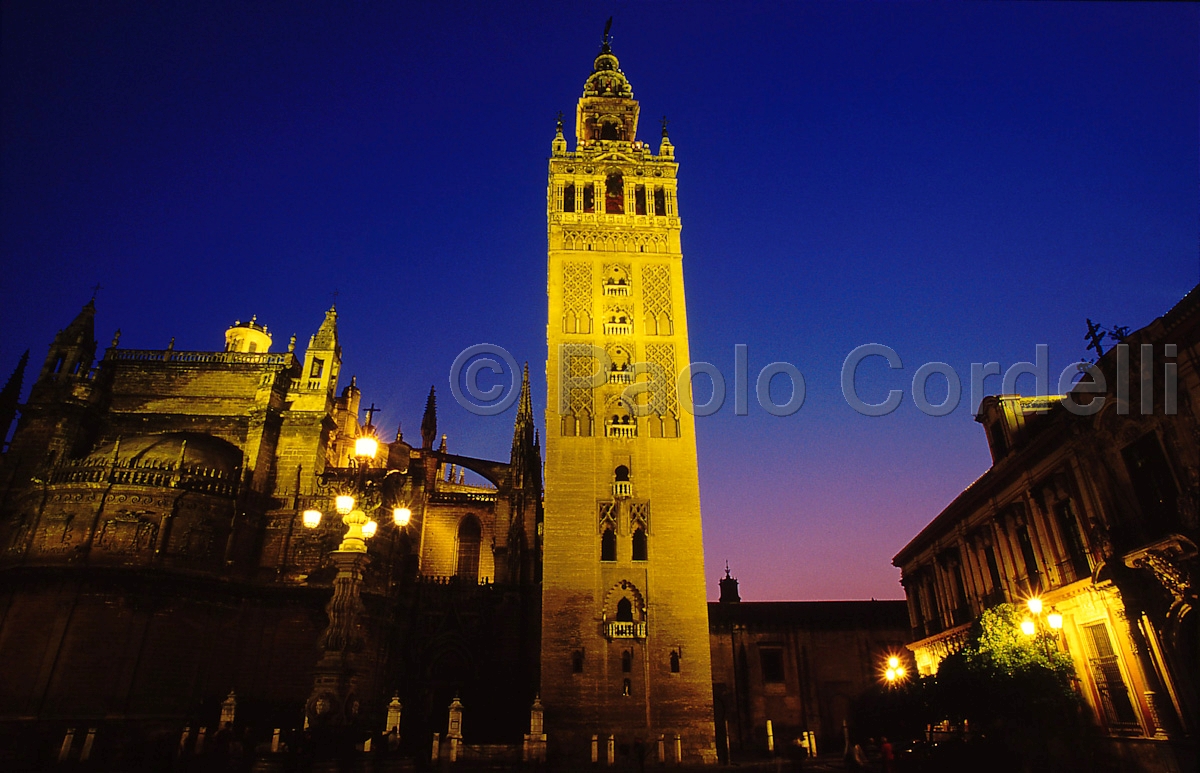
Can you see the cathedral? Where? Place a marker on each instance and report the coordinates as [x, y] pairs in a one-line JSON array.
[[218, 552]]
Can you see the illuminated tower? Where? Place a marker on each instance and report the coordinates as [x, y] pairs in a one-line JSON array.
[[625, 648]]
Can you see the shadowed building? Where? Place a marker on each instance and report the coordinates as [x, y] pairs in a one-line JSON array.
[[798, 664], [1097, 516]]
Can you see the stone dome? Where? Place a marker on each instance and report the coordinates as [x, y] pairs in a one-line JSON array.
[[197, 449]]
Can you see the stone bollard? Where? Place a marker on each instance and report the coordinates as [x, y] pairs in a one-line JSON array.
[[437, 745], [610, 755], [595, 748], [88, 740]]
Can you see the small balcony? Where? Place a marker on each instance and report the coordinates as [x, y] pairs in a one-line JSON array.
[[618, 329], [612, 288], [622, 489], [620, 377], [624, 630], [620, 430]]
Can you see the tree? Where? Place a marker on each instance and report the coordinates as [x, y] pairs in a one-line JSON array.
[[1013, 693]]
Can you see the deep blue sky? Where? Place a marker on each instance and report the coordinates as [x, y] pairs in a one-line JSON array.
[[960, 181]]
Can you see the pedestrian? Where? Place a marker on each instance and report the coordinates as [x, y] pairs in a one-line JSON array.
[[887, 754]]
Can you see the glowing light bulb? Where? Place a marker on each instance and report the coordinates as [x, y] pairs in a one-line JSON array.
[[369, 529], [1054, 619], [366, 447], [344, 504], [312, 518], [893, 662], [401, 515], [1035, 605], [1027, 627], [890, 674], [900, 672]]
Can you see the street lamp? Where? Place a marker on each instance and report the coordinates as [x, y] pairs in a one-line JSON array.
[[895, 670], [401, 515], [1053, 620]]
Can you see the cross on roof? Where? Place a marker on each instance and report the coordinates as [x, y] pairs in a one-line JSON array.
[[1095, 334], [371, 411]]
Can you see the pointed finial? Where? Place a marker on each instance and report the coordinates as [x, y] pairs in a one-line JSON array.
[[726, 569], [292, 344], [442, 447], [95, 290], [664, 126], [607, 29], [399, 433], [429, 421], [171, 345], [116, 338], [559, 123]]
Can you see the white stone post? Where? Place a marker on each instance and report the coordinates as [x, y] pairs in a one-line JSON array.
[[662, 748], [200, 740], [610, 752], [88, 740], [454, 731], [678, 749], [275, 741], [437, 744], [770, 738], [595, 748], [64, 751]]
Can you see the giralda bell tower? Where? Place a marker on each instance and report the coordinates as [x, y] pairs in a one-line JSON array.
[[625, 651]]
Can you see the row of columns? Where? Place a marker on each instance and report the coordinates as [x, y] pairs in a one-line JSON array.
[[610, 749]]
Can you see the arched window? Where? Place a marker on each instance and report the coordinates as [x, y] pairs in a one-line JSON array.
[[621, 473], [674, 661], [627, 661], [577, 662], [608, 545], [639, 545], [614, 194], [569, 197], [469, 536], [624, 611], [609, 130], [626, 688]]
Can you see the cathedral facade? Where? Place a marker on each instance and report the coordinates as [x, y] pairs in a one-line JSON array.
[[170, 537]]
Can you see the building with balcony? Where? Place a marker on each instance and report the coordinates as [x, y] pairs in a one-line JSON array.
[[1090, 505]]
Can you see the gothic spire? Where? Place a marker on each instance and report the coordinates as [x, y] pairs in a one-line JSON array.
[[429, 421], [10, 396]]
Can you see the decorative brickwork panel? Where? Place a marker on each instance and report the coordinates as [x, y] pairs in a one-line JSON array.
[[656, 299], [663, 398], [612, 241], [577, 297], [639, 516], [608, 517]]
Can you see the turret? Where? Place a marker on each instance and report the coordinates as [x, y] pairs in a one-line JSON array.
[[729, 588], [73, 349], [607, 111], [247, 337], [323, 358]]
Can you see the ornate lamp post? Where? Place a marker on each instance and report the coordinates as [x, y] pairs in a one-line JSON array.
[[341, 671]]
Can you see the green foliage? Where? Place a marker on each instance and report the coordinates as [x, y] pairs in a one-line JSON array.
[[1013, 691]]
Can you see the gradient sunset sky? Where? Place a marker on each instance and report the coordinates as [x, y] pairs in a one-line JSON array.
[[959, 181]]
